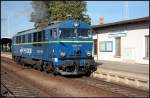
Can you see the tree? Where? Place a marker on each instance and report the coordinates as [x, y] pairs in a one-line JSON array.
[[40, 14], [49, 11]]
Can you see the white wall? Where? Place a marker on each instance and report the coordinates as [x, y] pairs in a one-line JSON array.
[[132, 46], [106, 55], [135, 42]]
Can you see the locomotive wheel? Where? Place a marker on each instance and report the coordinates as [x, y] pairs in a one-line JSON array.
[[88, 74], [55, 72], [31, 66], [21, 62], [40, 65], [48, 67], [45, 66], [13, 58], [35, 66], [18, 60]]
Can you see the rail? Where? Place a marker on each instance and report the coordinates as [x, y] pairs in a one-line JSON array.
[[6, 91]]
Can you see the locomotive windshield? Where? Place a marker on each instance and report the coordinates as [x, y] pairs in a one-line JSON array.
[[84, 33], [67, 33], [73, 33]]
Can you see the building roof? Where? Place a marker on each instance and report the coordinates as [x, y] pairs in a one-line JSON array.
[[121, 22]]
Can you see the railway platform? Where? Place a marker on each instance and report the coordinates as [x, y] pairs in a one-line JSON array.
[[131, 74], [125, 67]]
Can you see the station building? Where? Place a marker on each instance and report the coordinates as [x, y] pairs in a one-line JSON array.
[[123, 41]]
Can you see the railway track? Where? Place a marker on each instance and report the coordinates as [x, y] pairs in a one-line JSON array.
[[106, 86], [12, 86], [115, 88], [5, 91]]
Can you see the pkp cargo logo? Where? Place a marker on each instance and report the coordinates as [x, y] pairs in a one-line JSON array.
[[26, 50]]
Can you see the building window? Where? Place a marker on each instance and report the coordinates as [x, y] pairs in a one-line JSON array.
[[95, 46], [106, 46], [147, 47]]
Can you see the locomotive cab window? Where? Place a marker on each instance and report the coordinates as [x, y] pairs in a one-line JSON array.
[[84, 33], [67, 33]]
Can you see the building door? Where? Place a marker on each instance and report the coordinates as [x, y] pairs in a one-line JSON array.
[[118, 46], [95, 46], [147, 46]]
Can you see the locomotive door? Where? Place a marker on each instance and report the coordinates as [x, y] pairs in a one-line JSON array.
[[47, 45], [50, 37], [53, 38]]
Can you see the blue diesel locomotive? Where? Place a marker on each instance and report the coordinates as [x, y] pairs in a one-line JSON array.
[[62, 48]]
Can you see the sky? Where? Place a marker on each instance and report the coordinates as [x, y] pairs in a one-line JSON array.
[[15, 15]]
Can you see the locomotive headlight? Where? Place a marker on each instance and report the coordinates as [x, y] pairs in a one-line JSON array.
[[55, 59], [76, 24], [62, 53], [89, 53]]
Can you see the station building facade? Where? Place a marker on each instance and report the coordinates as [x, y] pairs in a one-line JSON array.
[[124, 41]]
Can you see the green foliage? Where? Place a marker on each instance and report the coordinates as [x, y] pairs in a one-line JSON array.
[[49, 11]]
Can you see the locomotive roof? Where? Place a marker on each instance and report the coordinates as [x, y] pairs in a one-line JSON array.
[[68, 24], [60, 24], [27, 31]]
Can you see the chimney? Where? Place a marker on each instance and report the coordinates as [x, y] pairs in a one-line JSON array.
[[101, 20]]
